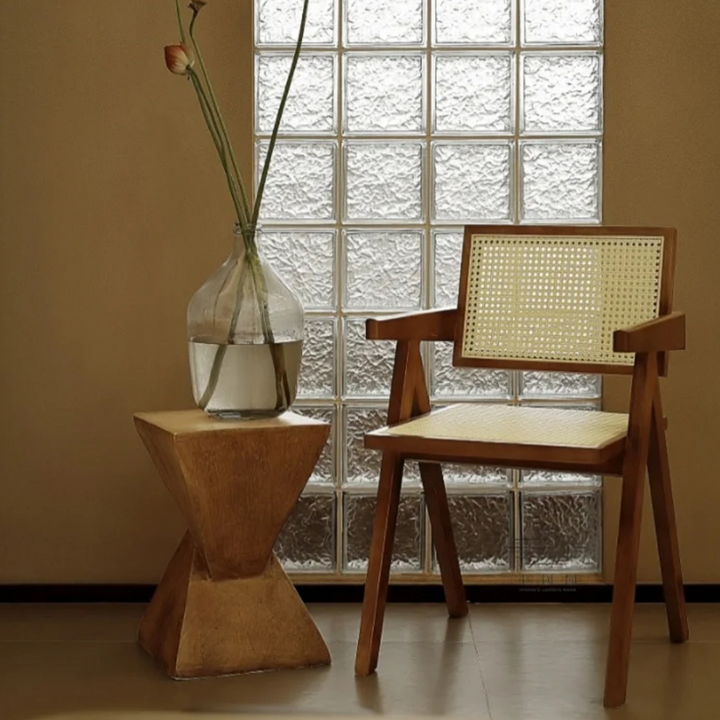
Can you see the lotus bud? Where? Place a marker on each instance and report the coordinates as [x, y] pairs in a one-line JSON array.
[[179, 58], [197, 5]]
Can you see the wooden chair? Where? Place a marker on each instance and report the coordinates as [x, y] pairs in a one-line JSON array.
[[571, 299]]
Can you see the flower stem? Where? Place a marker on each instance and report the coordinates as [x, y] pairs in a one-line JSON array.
[[218, 115], [278, 118], [277, 352], [222, 349], [180, 22], [207, 115], [211, 122]]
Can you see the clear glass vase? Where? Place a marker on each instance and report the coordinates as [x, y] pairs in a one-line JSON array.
[[245, 330]]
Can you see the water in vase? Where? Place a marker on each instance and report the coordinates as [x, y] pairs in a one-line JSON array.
[[240, 381]]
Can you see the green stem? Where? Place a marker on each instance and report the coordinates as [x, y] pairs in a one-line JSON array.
[[239, 293], [219, 146], [258, 276], [282, 384], [277, 351], [252, 260], [278, 119], [218, 115], [209, 119], [180, 22], [222, 349]]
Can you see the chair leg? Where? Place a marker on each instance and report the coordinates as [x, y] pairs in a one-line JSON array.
[[378, 574], [626, 563], [443, 539], [644, 385], [666, 528]]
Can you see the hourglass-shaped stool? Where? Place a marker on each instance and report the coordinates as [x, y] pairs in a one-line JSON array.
[[224, 604]]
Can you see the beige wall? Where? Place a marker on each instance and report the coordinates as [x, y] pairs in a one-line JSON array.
[[662, 167], [112, 211]]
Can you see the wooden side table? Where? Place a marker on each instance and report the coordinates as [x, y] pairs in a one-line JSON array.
[[224, 604]]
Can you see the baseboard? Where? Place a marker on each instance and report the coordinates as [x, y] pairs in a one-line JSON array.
[[42, 593]]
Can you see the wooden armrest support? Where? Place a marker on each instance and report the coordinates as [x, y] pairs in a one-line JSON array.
[[423, 325], [664, 333]]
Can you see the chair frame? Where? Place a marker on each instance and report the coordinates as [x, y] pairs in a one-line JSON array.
[[645, 447]]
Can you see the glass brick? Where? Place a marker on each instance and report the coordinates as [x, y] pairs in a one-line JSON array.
[[472, 181], [384, 93], [556, 478], [307, 541], [310, 105], [544, 384], [448, 258], [383, 270], [301, 181], [589, 406], [450, 381], [565, 22], [368, 363], [474, 22], [306, 262], [475, 475], [473, 93], [378, 22], [324, 472], [361, 465], [561, 531], [482, 528], [317, 372], [359, 518], [560, 181], [561, 93], [384, 181], [278, 22]]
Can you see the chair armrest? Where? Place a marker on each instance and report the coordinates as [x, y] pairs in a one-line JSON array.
[[664, 333], [423, 325]]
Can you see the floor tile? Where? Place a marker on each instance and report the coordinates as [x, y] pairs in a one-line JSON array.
[[414, 678], [582, 623], [565, 682], [503, 662], [64, 622], [404, 622]]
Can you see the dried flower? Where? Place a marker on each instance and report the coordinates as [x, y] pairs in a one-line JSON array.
[[197, 5], [179, 58]]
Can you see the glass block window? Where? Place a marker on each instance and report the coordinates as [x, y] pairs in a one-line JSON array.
[[406, 121]]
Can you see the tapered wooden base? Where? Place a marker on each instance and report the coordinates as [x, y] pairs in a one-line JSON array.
[[225, 605], [196, 627]]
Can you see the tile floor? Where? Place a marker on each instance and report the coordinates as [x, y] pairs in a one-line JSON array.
[[504, 662]]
